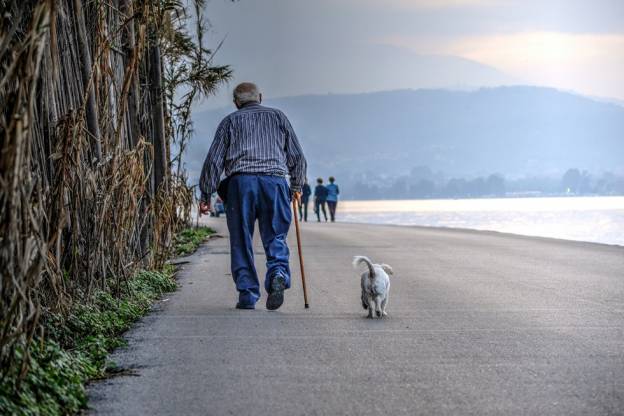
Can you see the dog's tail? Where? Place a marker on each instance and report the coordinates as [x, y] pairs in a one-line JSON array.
[[357, 260]]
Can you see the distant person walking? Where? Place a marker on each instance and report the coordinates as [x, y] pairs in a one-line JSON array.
[[320, 198], [303, 201], [332, 197], [256, 147]]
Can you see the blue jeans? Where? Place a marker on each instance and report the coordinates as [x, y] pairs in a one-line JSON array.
[[266, 199]]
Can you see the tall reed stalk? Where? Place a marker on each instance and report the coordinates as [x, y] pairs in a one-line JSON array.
[[90, 104]]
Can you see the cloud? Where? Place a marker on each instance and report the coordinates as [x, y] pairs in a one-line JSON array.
[[588, 63], [428, 4], [522, 50], [489, 16], [568, 44]]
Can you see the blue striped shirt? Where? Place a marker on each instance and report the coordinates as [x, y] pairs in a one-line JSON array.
[[254, 139]]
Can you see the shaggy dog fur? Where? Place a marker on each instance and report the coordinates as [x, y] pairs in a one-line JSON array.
[[375, 286]]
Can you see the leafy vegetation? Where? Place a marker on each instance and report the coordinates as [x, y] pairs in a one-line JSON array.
[[53, 385], [189, 239], [74, 348]]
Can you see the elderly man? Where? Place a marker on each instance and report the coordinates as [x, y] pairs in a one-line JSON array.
[[257, 148]]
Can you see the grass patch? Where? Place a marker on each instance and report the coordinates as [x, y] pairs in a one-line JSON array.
[[187, 241], [75, 348], [54, 384]]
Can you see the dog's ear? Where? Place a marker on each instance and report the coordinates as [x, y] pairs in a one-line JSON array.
[[387, 268]]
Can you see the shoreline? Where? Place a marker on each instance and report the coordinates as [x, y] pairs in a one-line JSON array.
[[553, 196], [589, 219], [616, 202], [486, 232], [598, 220], [210, 221]]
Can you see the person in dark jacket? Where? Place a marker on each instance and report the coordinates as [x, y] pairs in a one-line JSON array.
[[303, 201], [320, 198]]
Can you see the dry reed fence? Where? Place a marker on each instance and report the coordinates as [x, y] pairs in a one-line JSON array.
[[92, 96]]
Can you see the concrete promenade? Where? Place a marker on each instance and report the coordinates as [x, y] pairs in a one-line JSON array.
[[479, 324]]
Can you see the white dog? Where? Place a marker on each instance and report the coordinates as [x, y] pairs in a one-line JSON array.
[[375, 286]]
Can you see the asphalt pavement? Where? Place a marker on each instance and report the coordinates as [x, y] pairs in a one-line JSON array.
[[479, 324]]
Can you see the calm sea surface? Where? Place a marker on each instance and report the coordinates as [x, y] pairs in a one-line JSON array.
[[595, 219]]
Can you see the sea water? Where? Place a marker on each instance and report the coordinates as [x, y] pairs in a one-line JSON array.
[[593, 219]]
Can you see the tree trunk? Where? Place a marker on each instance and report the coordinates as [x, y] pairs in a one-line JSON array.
[[91, 109], [129, 44], [158, 117]]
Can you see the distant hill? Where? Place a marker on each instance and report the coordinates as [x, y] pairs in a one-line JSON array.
[[518, 131]]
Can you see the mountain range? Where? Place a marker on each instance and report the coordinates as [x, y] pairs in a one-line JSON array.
[[512, 131]]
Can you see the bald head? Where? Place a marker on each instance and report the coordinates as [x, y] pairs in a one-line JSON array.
[[246, 92]]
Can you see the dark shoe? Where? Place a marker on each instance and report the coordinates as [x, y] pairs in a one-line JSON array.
[[276, 296], [244, 306]]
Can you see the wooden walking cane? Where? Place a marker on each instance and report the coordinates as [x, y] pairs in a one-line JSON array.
[[305, 291]]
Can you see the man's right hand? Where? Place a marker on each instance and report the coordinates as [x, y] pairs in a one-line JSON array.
[[204, 208]]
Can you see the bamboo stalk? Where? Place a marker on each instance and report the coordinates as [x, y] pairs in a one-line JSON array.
[[86, 68], [68, 97]]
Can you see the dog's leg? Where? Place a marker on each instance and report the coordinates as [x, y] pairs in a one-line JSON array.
[[378, 307], [364, 302], [383, 306], [371, 306]]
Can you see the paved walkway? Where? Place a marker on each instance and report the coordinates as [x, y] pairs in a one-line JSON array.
[[480, 323]]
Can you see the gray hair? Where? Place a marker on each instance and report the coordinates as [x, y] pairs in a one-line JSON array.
[[246, 92]]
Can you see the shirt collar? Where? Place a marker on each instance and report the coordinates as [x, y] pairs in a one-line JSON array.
[[250, 104]]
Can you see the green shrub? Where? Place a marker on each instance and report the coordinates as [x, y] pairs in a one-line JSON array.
[[75, 347], [189, 239], [54, 384]]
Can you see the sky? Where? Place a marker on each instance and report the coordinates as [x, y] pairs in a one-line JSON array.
[[293, 47]]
